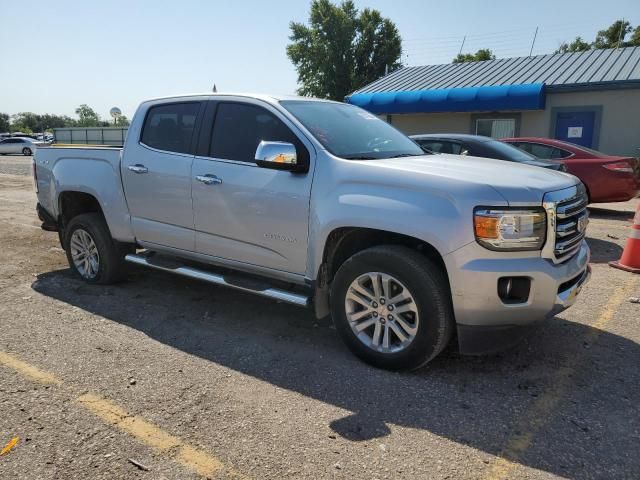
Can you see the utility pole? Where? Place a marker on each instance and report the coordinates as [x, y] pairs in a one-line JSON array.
[[533, 42], [462, 46]]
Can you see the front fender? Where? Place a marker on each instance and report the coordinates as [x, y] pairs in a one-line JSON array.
[[436, 219]]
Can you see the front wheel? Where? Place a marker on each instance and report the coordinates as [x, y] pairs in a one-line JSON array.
[[26, 151], [91, 252], [392, 307]]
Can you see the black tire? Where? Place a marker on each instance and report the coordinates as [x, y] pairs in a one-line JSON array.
[[26, 151], [111, 265], [428, 286]]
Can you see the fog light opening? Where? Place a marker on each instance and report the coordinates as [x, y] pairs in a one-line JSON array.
[[512, 290]]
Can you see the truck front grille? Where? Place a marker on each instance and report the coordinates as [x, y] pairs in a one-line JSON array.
[[572, 218]]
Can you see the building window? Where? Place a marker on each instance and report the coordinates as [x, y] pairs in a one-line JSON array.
[[496, 127]]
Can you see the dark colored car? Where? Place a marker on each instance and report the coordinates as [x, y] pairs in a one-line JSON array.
[[608, 178], [479, 146]]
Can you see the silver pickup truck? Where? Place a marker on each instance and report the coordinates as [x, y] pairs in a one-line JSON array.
[[322, 204]]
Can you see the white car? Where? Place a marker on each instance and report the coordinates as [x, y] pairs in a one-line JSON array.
[[25, 146]]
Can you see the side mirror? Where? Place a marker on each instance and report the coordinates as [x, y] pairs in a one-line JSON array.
[[277, 156]]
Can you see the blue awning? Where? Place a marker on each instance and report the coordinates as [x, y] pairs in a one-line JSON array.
[[465, 99]]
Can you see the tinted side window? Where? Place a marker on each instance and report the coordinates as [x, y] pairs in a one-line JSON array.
[[543, 151], [435, 147], [170, 127], [239, 128], [441, 146]]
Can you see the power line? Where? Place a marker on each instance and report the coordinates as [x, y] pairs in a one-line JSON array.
[[554, 27]]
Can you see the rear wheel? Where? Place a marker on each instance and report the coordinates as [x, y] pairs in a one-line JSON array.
[[391, 306], [91, 252], [26, 151]]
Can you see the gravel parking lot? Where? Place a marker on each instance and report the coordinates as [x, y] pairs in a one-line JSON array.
[[187, 380]]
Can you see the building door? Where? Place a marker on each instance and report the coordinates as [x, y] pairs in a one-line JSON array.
[[576, 127]]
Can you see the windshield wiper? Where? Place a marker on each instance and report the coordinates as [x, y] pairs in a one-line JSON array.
[[359, 157], [406, 155]]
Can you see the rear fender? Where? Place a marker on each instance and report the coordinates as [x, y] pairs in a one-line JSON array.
[[98, 178]]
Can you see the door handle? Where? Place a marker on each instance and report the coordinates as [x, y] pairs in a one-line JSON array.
[[209, 179], [137, 168]]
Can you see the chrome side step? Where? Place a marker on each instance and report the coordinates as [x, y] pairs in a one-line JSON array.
[[217, 279]]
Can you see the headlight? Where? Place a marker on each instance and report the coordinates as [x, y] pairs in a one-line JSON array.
[[510, 229]]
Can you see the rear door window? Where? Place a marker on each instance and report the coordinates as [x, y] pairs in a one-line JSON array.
[[170, 127]]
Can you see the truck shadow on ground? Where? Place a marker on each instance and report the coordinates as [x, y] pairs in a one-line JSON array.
[[475, 401]]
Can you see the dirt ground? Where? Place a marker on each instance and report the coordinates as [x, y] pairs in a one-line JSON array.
[[187, 380]]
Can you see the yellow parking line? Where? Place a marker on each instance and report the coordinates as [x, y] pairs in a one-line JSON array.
[[113, 414], [28, 370], [194, 459], [542, 408], [190, 457]]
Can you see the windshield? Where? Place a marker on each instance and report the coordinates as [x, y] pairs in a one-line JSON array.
[[351, 132], [510, 152]]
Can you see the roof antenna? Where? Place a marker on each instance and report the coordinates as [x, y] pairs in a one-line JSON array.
[[462, 46], [533, 42], [214, 89]]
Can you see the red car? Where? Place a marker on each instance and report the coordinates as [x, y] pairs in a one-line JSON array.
[[608, 178]]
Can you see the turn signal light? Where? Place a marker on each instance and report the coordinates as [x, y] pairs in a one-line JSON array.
[[486, 227]]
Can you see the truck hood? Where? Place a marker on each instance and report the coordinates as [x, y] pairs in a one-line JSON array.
[[516, 182]]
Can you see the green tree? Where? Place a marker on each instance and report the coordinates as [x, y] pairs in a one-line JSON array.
[[635, 37], [87, 117], [342, 49], [480, 56], [122, 121], [578, 45], [4, 122], [613, 36], [26, 120], [56, 121], [378, 48]]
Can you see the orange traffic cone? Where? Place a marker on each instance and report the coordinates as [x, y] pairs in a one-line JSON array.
[[630, 260]]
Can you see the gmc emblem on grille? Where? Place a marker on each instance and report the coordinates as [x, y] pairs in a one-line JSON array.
[[582, 224]]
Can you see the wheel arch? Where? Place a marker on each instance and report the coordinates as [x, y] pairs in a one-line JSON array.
[[344, 242], [72, 203]]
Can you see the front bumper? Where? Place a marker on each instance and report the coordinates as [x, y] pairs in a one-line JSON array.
[[485, 323]]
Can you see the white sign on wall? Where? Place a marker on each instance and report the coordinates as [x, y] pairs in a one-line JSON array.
[[574, 132]]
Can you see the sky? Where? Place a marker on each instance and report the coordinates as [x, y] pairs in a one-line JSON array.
[[58, 55]]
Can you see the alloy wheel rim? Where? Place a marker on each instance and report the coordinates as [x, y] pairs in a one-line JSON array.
[[84, 253], [382, 312]]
